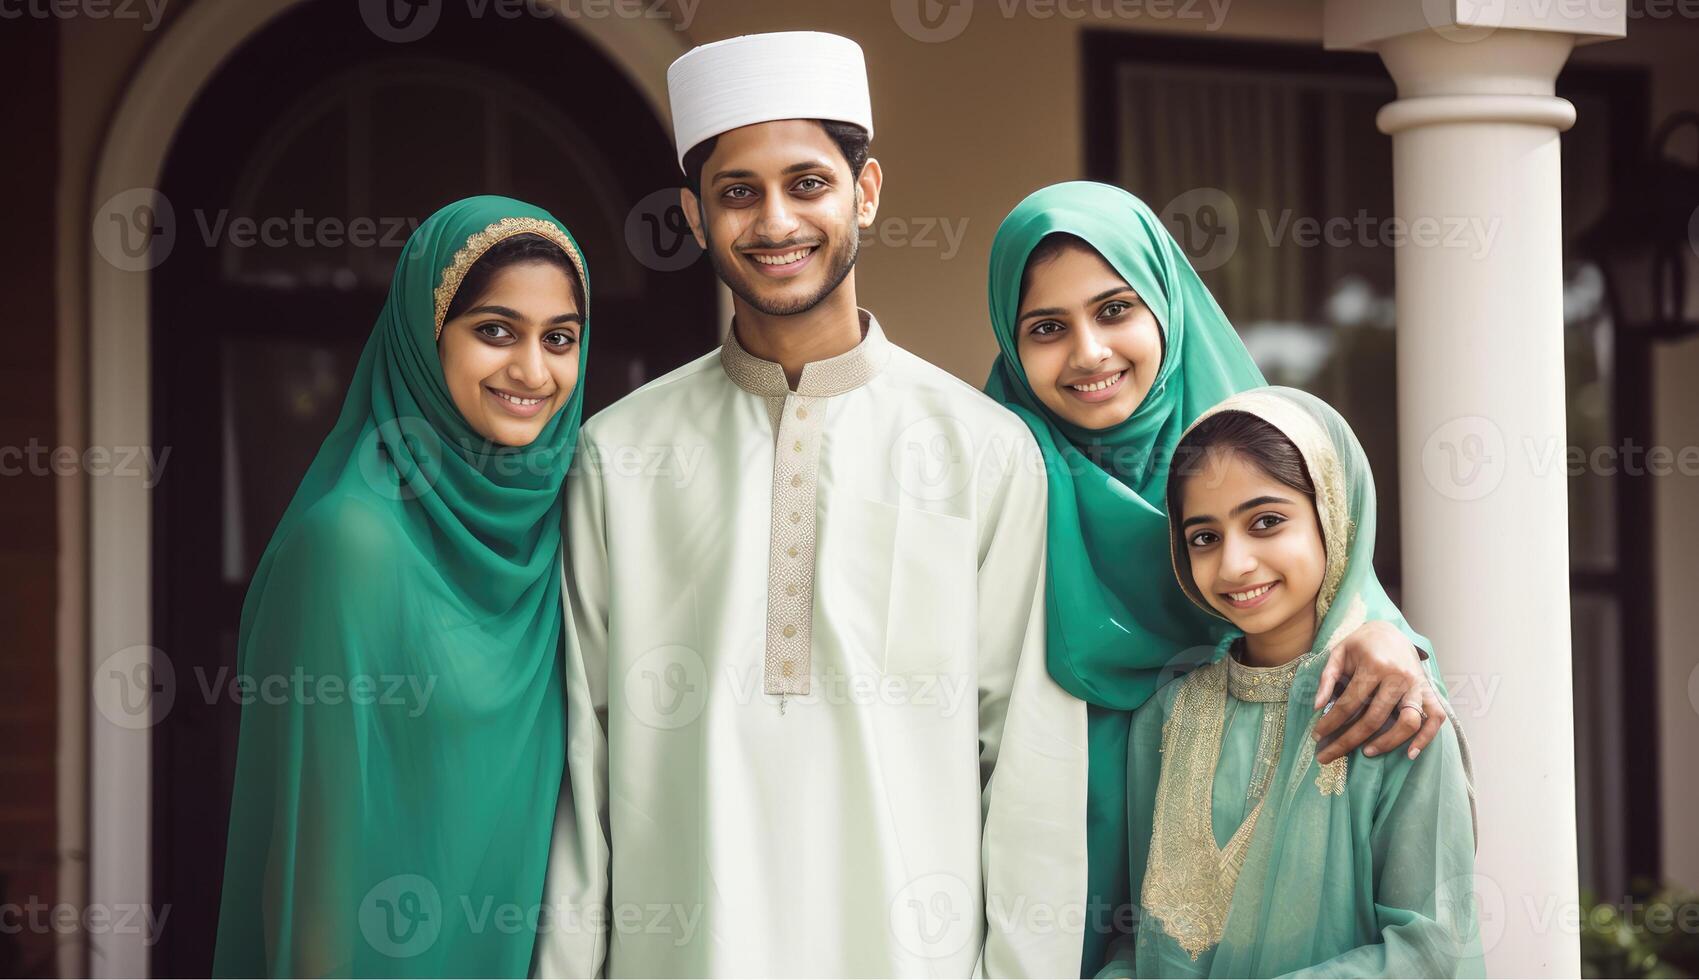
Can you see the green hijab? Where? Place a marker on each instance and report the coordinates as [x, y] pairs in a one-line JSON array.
[[1361, 867], [1115, 617], [401, 755]]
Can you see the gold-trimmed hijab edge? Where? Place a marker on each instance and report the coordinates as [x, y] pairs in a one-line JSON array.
[[493, 234]]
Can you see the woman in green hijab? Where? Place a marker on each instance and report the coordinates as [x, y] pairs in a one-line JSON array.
[[399, 766], [1110, 345], [1251, 858]]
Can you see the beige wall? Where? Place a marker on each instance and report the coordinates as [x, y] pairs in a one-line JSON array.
[[965, 129]]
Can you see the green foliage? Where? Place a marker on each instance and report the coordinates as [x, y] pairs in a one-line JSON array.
[[1654, 937]]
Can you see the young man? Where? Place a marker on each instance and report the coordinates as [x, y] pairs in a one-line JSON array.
[[811, 728]]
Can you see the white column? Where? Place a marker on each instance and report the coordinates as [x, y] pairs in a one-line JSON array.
[[1481, 428]]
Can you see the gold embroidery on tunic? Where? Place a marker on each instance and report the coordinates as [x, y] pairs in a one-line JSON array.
[[1331, 779], [1188, 884], [1270, 742]]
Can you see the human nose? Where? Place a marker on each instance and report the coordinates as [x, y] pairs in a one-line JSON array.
[[777, 221], [527, 367], [1089, 348], [1238, 558]]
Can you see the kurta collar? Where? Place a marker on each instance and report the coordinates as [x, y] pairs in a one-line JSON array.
[[820, 379], [1248, 683]]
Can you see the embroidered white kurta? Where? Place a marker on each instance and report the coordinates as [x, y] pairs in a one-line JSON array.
[[811, 730]]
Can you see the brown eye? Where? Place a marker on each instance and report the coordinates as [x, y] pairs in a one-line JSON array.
[[1267, 521]]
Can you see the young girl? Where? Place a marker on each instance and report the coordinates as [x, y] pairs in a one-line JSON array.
[[1110, 347], [1251, 858]]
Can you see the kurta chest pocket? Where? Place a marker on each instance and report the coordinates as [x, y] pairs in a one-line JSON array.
[[905, 587]]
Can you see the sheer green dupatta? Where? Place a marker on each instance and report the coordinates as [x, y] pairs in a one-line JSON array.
[[1114, 618], [401, 754], [1364, 866]]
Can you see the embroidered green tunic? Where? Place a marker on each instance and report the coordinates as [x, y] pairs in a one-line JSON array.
[[1249, 859], [1374, 857]]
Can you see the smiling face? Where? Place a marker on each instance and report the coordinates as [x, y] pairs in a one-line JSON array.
[[1090, 346], [781, 215], [1255, 548], [511, 357]]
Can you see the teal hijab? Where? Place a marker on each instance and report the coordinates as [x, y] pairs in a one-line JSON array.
[[1115, 616], [400, 759]]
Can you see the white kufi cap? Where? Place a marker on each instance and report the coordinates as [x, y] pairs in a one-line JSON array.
[[759, 78]]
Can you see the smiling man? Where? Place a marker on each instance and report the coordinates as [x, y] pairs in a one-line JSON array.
[[811, 728]]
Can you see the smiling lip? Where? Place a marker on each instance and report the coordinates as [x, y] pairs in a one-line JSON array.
[[1098, 394], [794, 260], [1269, 588], [515, 404]]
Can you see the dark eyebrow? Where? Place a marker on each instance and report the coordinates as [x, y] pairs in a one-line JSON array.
[[1247, 505], [503, 311], [1057, 311], [795, 168]]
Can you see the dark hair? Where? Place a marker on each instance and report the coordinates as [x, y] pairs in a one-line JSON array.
[[1238, 432], [513, 250], [1048, 248], [852, 142]]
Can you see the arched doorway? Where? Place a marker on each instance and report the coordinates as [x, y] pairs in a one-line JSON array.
[[293, 180]]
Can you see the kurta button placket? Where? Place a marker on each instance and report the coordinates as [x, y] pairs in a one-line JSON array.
[[790, 585], [798, 417]]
